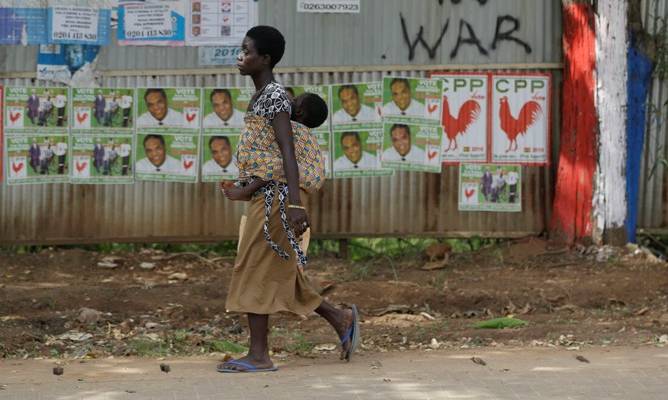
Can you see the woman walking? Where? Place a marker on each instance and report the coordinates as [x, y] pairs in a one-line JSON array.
[[267, 279]]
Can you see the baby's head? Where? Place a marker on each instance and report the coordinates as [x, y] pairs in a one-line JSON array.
[[309, 109]]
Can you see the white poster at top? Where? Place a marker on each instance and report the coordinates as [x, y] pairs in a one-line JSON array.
[[329, 6], [464, 117], [521, 118], [220, 22]]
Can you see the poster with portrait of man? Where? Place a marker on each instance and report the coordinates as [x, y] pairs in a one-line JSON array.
[[28, 108], [167, 108], [102, 109], [358, 153], [412, 147], [416, 100], [490, 187], [167, 157], [357, 106], [224, 109], [219, 161], [37, 158], [102, 159]]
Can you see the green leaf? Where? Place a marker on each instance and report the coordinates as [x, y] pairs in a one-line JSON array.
[[501, 323]]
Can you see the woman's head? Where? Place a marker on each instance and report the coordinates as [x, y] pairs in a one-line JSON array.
[[262, 48]]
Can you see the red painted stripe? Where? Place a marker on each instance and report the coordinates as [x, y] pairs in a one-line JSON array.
[[572, 209]]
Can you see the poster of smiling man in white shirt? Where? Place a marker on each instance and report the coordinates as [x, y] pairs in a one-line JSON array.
[[222, 108], [358, 154], [412, 98], [412, 147], [355, 106], [169, 158], [219, 160], [169, 108]]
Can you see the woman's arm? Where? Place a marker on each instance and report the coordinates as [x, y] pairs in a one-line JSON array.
[[283, 130]]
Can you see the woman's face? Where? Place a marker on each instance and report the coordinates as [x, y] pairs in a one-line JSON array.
[[249, 61]]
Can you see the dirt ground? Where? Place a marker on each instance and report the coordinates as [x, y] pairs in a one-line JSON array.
[[64, 303]]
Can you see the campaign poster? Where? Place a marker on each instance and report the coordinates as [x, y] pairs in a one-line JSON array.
[[224, 109], [34, 157], [412, 147], [412, 100], [102, 158], [464, 117], [323, 131], [165, 108], [219, 22], [152, 22], [102, 109], [219, 160], [357, 153], [521, 109], [61, 62], [357, 106], [329, 6], [28, 108], [73, 24], [223, 119], [23, 22], [490, 187], [167, 157]]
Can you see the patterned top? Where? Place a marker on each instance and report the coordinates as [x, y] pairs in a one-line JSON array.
[[272, 101], [258, 154]]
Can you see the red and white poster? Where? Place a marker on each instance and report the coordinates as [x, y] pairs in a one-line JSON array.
[[464, 117], [521, 118]]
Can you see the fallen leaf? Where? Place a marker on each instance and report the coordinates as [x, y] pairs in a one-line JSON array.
[[478, 361], [582, 359]]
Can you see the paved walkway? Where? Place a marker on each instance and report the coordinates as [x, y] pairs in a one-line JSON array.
[[532, 374]]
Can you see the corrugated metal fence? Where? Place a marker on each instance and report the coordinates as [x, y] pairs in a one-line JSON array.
[[407, 203], [653, 203], [322, 49]]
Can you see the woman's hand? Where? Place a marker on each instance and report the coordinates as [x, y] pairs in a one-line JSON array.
[[298, 220]]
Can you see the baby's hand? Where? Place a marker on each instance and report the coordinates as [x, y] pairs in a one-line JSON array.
[[236, 193]]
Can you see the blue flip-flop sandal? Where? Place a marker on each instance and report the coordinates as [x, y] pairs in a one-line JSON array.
[[247, 367], [352, 335]]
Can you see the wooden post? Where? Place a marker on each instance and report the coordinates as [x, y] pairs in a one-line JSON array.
[[611, 99], [572, 207], [343, 249]]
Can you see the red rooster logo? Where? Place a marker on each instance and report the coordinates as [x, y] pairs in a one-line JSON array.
[[512, 126], [452, 126]]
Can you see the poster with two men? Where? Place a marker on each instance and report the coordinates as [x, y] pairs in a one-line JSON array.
[[36, 134], [102, 124]]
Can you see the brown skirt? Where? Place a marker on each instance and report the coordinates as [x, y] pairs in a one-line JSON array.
[[262, 281]]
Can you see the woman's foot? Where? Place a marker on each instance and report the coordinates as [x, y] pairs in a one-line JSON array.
[[344, 330], [247, 364]]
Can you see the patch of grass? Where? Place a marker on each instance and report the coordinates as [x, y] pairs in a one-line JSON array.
[[299, 344], [225, 346], [501, 323], [148, 348]]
